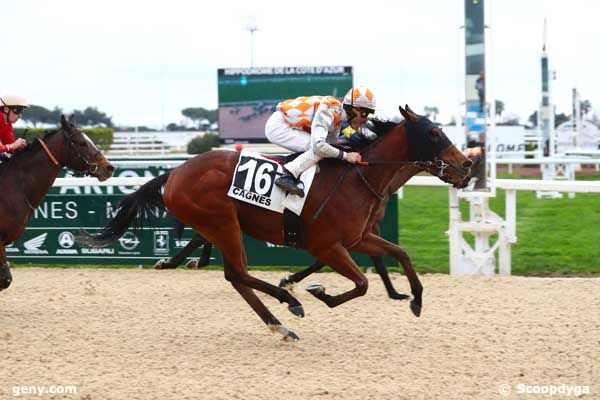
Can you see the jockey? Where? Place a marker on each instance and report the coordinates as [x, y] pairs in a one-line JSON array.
[[12, 108], [310, 124]]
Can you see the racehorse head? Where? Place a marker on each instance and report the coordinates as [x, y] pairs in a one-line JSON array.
[[80, 153], [429, 144]]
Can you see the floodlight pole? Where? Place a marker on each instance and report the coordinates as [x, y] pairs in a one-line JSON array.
[[251, 26]]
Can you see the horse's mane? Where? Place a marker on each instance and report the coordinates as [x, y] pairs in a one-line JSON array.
[[31, 147], [381, 127]]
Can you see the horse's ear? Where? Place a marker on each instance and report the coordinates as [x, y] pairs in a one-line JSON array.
[[63, 122], [72, 120], [403, 112], [408, 114]]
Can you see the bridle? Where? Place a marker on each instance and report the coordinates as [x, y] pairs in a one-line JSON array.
[[92, 167]]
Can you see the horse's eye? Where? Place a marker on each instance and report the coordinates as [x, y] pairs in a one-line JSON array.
[[435, 135]]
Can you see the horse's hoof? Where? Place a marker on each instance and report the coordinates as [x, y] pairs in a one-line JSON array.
[[160, 264], [288, 335], [5, 284], [415, 308], [298, 311], [315, 289], [192, 264], [291, 337], [5, 278], [285, 283]]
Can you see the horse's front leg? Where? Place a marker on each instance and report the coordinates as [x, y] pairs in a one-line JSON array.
[[374, 245], [387, 282], [380, 265], [5, 275], [339, 260]]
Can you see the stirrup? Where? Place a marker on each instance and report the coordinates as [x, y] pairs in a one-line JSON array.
[[290, 184]]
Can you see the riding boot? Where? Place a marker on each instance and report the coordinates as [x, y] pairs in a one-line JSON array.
[[290, 181]]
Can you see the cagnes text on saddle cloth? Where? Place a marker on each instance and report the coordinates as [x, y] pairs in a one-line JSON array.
[[253, 183]]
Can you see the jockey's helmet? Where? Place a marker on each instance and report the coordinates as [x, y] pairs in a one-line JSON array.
[[15, 103], [360, 97]]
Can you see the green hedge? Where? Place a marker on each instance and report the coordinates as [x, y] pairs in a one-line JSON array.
[[103, 137], [202, 144]]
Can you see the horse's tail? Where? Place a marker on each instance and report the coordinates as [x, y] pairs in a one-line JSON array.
[[132, 209]]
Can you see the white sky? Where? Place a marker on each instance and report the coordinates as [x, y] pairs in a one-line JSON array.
[[142, 62]]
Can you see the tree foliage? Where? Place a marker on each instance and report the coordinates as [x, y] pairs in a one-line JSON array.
[[92, 117], [197, 114], [499, 107], [89, 117], [431, 112], [202, 144], [41, 115], [585, 106]]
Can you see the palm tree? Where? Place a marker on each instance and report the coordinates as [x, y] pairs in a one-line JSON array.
[[431, 112], [499, 108]]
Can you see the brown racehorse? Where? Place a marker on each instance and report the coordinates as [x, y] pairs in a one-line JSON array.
[[196, 194], [407, 171], [29, 175]]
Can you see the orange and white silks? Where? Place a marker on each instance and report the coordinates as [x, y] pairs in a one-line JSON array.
[[299, 112]]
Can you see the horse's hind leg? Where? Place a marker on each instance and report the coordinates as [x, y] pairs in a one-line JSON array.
[[289, 280], [338, 258], [204, 260], [229, 241], [178, 258], [374, 245], [385, 278]]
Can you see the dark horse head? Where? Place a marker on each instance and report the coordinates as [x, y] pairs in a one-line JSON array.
[[78, 152], [429, 145]]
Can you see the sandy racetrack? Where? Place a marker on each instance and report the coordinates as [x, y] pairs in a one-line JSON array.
[[144, 334]]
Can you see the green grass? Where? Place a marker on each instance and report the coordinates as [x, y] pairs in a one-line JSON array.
[[555, 236]]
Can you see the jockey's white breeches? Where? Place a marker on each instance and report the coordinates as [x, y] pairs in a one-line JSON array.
[[279, 132], [315, 146]]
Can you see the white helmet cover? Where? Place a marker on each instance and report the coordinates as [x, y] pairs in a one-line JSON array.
[[361, 97], [14, 101]]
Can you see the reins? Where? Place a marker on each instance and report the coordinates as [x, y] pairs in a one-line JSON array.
[[47, 150], [438, 163], [337, 183]]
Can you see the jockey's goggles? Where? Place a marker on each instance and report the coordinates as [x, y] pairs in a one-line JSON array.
[[365, 112], [17, 109]]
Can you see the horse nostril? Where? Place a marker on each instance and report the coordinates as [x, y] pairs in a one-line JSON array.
[[468, 164], [110, 168]]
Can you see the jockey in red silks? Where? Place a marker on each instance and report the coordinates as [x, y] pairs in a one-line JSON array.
[[12, 108], [311, 124]]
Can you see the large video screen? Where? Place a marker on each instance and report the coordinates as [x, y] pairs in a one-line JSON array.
[[248, 96]]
